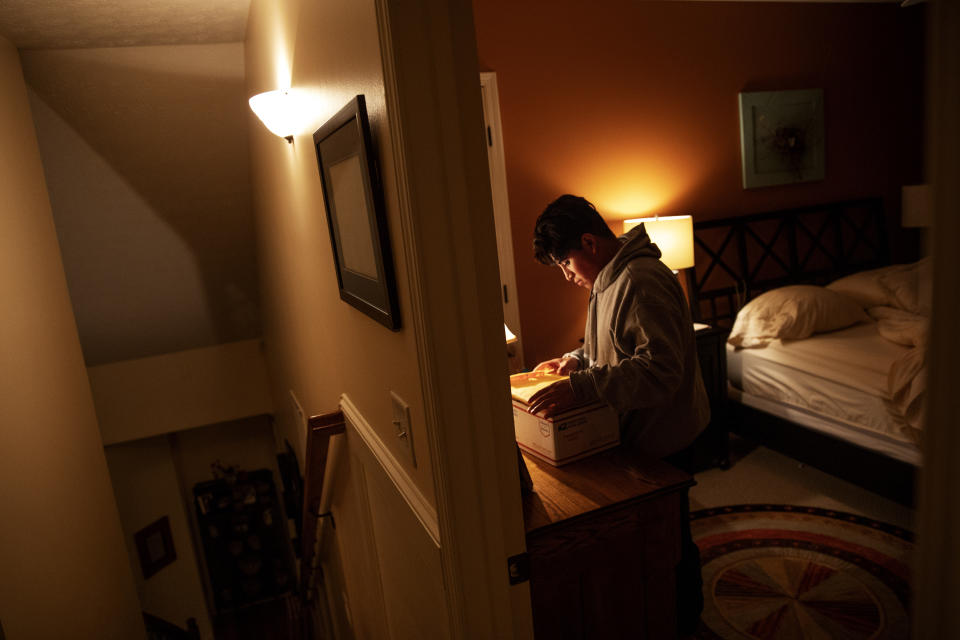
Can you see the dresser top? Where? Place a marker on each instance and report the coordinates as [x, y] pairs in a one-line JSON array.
[[609, 479]]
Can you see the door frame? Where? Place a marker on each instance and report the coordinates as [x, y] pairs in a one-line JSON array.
[[429, 57], [501, 212]]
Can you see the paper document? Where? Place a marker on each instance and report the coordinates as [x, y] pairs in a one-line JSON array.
[[524, 385]]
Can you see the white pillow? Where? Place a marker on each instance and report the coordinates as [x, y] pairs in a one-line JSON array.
[[866, 287], [792, 313], [910, 289], [901, 286]]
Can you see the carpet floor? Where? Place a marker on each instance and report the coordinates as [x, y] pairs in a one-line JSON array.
[[790, 572]]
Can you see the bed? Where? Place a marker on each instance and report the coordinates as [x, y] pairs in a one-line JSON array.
[[827, 399]]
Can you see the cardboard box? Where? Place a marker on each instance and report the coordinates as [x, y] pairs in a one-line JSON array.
[[568, 436]]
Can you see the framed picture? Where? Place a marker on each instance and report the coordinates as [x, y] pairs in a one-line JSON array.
[[155, 546], [781, 137], [353, 195]]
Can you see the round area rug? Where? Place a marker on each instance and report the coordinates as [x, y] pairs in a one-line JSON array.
[[782, 572]]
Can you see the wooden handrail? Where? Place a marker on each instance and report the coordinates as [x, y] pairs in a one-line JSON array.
[[320, 429]]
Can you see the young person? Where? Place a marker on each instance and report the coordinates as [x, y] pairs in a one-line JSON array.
[[639, 352]]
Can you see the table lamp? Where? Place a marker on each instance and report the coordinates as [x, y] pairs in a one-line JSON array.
[[672, 234]]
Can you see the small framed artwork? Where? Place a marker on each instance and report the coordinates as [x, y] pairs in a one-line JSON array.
[[155, 546], [781, 137], [357, 221]]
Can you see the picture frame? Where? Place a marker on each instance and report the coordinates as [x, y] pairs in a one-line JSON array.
[[155, 546], [781, 137], [356, 215]]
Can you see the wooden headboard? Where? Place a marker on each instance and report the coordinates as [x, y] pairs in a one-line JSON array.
[[739, 258]]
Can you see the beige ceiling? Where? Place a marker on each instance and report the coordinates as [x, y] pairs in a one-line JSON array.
[[82, 24], [76, 24]]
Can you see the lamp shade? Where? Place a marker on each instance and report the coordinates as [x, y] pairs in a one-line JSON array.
[[281, 111], [672, 234]]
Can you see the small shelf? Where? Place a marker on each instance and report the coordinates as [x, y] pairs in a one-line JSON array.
[[243, 530]]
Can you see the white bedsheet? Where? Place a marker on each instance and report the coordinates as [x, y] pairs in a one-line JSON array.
[[841, 376]]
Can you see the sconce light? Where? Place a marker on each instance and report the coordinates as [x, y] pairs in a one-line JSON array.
[[672, 234], [280, 111], [510, 337]]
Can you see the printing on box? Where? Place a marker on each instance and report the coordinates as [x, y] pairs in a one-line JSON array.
[[569, 436]]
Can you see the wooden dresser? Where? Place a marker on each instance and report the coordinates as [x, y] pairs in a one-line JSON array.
[[603, 539]]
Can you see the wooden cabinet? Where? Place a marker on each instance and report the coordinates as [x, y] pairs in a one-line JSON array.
[[603, 539]]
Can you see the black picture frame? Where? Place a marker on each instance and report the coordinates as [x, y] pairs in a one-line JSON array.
[[781, 137], [356, 216], [155, 546]]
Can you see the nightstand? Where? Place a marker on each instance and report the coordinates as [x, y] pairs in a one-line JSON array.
[[711, 448], [712, 353]]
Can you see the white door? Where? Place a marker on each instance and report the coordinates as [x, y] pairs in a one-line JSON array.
[[501, 213]]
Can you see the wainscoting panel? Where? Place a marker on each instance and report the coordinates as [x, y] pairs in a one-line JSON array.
[[416, 501], [409, 561], [381, 561], [348, 555]]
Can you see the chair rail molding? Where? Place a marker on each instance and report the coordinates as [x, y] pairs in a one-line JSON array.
[[418, 503]]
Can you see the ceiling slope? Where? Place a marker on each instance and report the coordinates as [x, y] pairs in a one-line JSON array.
[[82, 24]]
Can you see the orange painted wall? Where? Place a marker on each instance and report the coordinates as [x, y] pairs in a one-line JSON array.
[[633, 105]]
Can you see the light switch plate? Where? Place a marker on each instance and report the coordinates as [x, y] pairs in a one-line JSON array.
[[401, 423]]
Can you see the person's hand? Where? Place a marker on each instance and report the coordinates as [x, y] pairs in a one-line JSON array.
[[552, 400], [560, 366]]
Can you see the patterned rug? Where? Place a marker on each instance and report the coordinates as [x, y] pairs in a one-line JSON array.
[[780, 572]]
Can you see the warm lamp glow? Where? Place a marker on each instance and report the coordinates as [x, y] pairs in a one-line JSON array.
[[672, 234], [633, 202], [283, 112]]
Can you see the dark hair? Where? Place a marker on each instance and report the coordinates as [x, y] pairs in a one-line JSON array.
[[561, 225]]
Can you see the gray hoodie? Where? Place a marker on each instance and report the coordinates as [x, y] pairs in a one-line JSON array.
[[639, 353]]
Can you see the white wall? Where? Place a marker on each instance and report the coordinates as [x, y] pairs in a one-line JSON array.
[[147, 163], [154, 477], [246, 444], [64, 571], [318, 346], [419, 550], [147, 488], [161, 394]]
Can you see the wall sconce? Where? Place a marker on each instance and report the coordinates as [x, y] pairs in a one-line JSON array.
[[280, 111], [672, 234]]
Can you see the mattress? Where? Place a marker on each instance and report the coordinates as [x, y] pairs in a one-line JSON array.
[[832, 382]]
